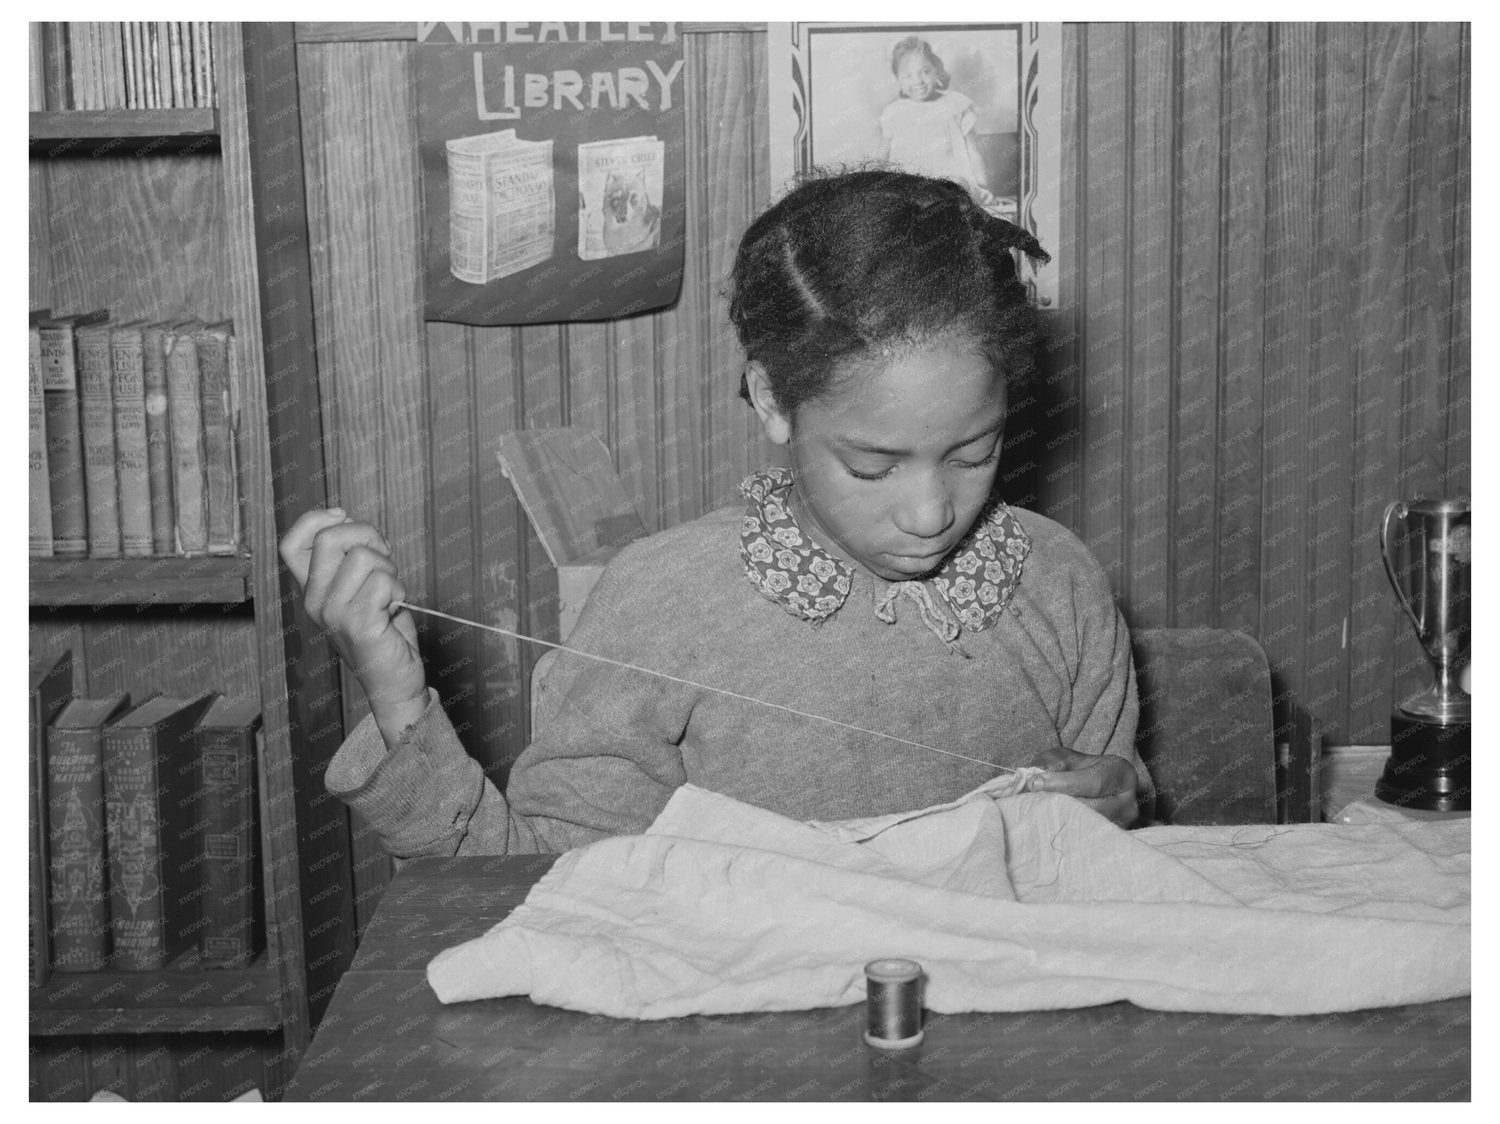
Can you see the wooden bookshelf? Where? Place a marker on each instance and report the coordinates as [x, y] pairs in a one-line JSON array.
[[123, 132], [162, 224], [140, 581], [176, 999]]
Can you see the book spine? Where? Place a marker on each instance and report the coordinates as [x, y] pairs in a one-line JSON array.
[[48, 696], [58, 68], [231, 899], [185, 413], [127, 361], [64, 442], [76, 834], [158, 438], [132, 57], [134, 849], [36, 66], [218, 441], [114, 66], [96, 394], [39, 494]]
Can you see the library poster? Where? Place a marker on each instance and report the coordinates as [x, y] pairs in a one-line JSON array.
[[552, 169]]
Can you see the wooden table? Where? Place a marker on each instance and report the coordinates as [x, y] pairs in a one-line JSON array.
[[386, 1037]]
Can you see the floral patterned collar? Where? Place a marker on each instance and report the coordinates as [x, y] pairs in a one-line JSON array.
[[976, 583]]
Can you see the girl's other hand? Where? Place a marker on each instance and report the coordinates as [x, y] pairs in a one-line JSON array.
[[349, 584], [1105, 782]]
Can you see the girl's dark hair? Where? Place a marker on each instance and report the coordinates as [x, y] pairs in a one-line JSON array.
[[911, 45], [845, 263]]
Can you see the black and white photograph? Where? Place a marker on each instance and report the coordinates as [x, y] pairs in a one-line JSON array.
[[581, 565]]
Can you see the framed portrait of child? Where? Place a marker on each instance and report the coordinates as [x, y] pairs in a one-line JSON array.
[[978, 103]]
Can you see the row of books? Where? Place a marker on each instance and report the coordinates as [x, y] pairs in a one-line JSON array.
[[143, 841], [115, 65], [133, 438]]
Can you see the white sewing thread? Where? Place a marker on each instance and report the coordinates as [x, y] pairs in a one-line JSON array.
[[699, 686]]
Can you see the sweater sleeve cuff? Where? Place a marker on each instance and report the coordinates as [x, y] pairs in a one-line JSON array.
[[393, 789]]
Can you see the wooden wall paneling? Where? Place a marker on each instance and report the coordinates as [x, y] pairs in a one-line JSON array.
[[727, 199], [1242, 300], [759, 182], [452, 651], [1456, 202], [1428, 374], [589, 352], [501, 671], [1290, 151], [1375, 630], [278, 811], [283, 340], [1104, 167], [1150, 392], [680, 341], [140, 236], [372, 327], [1198, 109], [637, 420], [1337, 176], [543, 399], [1059, 407]]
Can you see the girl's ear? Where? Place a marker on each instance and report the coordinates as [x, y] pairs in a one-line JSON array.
[[777, 425]]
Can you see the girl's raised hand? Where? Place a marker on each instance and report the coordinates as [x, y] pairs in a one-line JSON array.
[[1103, 781], [349, 585]]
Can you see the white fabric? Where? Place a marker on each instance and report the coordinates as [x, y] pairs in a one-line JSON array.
[[1028, 902]]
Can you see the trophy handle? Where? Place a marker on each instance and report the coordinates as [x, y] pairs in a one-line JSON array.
[[1397, 510]]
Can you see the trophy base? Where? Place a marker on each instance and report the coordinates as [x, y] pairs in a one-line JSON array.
[[1428, 767]]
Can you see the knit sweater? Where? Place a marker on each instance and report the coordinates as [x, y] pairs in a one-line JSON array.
[[613, 744]]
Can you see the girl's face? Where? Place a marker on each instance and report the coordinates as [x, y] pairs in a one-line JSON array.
[[917, 77], [894, 466]]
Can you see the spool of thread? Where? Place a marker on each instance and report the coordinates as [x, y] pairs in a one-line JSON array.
[[893, 1003]]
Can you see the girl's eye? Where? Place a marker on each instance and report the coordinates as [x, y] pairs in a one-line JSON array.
[[881, 475], [979, 464]]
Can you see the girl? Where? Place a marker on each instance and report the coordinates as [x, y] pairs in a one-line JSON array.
[[929, 128], [877, 581]]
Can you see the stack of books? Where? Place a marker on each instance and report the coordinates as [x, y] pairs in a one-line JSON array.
[[144, 837], [114, 65], [133, 438]]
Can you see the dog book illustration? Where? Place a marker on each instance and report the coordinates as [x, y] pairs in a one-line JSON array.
[[502, 211], [619, 196]]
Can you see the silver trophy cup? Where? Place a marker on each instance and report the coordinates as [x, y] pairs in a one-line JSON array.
[[1426, 547]]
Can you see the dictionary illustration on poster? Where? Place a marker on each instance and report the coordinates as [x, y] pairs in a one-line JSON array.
[[552, 170]]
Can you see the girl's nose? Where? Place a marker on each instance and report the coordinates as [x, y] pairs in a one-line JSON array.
[[926, 512]]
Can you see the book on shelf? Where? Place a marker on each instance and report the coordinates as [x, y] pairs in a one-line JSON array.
[[502, 211], [51, 689], [158, 437], [79, 923], [37, 62], [39, 492], [55, 60], [155, 836], [65, 462], [619, 196], [185, 423], [128, 364], [214, 342], [96, 398], [227, 740]]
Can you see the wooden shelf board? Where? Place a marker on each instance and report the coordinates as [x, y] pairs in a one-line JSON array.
[[101, 132], [171, 1000], [217, 580]]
